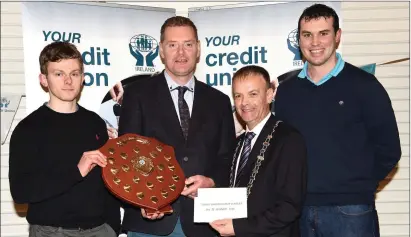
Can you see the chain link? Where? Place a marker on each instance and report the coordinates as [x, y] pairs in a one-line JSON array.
[[260, 159]]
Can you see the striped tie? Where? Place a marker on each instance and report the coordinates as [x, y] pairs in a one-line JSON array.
[[245, 153], [183, 110]]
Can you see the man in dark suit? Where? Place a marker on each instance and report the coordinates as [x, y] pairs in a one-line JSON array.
[[187, 114], [270, 160]]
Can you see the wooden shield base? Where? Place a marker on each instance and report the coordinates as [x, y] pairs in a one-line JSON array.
[[143, 172]]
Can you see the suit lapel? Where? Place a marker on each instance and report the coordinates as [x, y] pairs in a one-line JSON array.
[[239, 144], [166, 108], [255, 151]]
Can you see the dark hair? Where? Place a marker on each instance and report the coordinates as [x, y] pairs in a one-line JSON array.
[[253, 70], [315, 12], [177, 21], [57, 51]]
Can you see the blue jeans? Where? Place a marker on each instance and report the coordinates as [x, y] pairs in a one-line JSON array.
[[103, 230], [339, 221], [177, 232]]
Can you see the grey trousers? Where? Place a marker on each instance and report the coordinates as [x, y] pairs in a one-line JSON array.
[[49, 231]]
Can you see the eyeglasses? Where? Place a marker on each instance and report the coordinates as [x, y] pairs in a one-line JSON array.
[[189, 45]]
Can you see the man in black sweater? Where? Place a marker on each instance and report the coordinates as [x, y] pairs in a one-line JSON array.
[[349, 126], [55, 165]]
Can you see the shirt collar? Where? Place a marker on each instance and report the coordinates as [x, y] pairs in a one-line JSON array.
[[172, 85], [334, 72], [259, 127]]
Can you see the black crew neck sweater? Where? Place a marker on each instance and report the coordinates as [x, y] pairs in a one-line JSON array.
[[45, 148]]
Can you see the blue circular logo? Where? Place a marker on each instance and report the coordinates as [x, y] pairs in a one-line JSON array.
[[143, 43], [292, 36]]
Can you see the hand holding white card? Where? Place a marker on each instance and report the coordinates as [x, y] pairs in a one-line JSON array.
[[219, 203]]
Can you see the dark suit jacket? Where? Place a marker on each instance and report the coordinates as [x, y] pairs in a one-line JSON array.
[[148, 110], [276, 198]]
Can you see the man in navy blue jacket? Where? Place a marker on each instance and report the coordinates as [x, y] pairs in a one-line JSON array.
[[348, 122]]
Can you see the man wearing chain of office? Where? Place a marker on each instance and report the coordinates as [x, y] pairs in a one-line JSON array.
[[270, 160]]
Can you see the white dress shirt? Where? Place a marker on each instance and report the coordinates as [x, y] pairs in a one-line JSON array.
[[188, 95], [257, 130]]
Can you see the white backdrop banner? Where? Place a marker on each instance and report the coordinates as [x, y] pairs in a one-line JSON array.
[[116, 42], [9, 105], [234, 36]]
